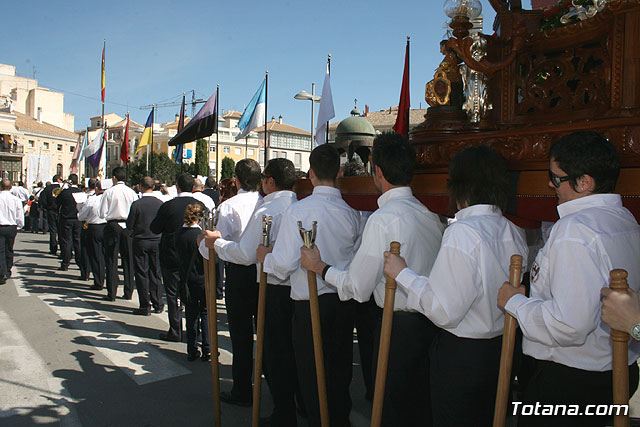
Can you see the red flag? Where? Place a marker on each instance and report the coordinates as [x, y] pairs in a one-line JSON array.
[[102, 83], [402, 121], [124, 149]]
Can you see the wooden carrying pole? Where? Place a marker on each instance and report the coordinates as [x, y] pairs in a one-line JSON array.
[[506, 357], [212, 319], [385, 342], [308, 237], [262, 302], [620, 348]]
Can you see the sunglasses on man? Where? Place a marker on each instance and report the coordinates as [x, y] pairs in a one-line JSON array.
[[557, 180]]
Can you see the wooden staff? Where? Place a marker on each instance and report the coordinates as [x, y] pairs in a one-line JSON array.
[[262, 302], [506, 356], [308, 237], [620, 348], [212, 319], [385, 342]]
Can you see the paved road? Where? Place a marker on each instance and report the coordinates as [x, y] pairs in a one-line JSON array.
[[69, 358]]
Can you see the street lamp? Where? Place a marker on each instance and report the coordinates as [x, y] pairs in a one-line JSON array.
[[304, 95]]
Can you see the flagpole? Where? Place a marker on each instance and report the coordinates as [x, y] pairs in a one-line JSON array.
[[127, 142], [102, 84], [266, 104], [217, 132], [408, 109], [326, 129]]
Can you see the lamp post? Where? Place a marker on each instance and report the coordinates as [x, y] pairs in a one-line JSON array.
[[304, 95]]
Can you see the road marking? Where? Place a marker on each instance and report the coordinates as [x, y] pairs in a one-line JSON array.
[[26, 385], [142, 361]]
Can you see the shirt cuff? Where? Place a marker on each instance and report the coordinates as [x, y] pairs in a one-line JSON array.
[[406, 277], [219, 246], [204, 251], [514, 303], [332, 276]]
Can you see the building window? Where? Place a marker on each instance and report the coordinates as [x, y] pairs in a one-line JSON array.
[[238, 151], [59, 147], [226, 150], [252, 152], [32, 143], [72, 148], [59, 169], [274, 154], [98, 123], [45, 145], [212, 148], [297, 160], [283, 154]]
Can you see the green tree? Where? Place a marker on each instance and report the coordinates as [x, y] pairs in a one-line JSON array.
[[161, 167], [202, 158], [228, 166]]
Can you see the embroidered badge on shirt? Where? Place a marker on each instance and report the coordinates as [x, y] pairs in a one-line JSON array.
[[535, 271]]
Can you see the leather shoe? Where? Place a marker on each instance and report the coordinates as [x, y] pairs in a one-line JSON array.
[[193, 356], [96, 288], [125, 297], [63, 268], [108, 298], [229, 398], [142, 312], [159, 309], [206, 357], [166, 337], [3, 280]]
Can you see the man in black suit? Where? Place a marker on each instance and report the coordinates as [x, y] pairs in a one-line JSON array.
[[48, 203], [211, 190], [146, 260], [70, 226], [168, 221]]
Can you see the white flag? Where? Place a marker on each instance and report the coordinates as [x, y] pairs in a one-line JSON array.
[[326, 111]]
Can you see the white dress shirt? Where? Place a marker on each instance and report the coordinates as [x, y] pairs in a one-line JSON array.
[[21, 193], [561, 320], [337, 238], [401, 218], [89, 210], [473, 262], [11, 212], [116, 202], [234, 214], [206, 200], [162, 197], [244, 251]]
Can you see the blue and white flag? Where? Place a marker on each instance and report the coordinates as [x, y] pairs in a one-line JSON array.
[[254, 115], [326, 111]]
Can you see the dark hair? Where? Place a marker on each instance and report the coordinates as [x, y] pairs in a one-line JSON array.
[[185, 182], [157, 185], [248, 174], [93, 182], [227, 189], [282, 171], [210, 182], [120, 173], [395, 157], [325, 162], [146, 183], [73, 178], [192, 212], [56, 178], [589, 153], [478, 175]]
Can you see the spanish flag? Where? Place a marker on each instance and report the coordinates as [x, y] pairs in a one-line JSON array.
[[103, 84], [147, 134]]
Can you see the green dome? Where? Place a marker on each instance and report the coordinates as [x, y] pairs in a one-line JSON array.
[[355, 129]]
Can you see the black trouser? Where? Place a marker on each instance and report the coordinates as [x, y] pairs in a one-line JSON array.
[[52, 221], [95, 252], [219, 277], [195, 311], [407, 398], [116, 239], [146, 260], [336, 319], [551, 383], [241, 299], [365, 320], [279, 359], [7, 238], [70, 240], [85, 269], [171, 281], [464, 379]]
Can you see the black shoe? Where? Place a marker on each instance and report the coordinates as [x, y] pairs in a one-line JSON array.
[[96, 288], [206, 357], [166, 337], [63, 268], [229, 398], [159, 309], [142, 312], [108, 298], [193, 356], [125, 297], [53, 253], [3, 280]]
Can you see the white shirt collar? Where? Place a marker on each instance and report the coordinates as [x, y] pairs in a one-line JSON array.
[[185, 194], [394, 193], [276, 194], [594, 200], [326, 190], [477, 210]]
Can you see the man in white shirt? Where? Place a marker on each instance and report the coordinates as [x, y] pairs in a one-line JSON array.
[[94, 233], [567, 344], [278, 179], [338, 227], [114, 208], [11, 219], [402, 218], [241, 295]]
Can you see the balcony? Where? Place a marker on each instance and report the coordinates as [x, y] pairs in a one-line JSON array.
[[11, 148]]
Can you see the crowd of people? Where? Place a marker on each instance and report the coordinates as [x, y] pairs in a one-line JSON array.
[[452, 290]]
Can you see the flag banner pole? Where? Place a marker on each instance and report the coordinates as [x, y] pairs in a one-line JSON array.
[[266, 131], [217, 133], [326, 129]]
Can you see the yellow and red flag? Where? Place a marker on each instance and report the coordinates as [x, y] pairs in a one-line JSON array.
[[102, 74]]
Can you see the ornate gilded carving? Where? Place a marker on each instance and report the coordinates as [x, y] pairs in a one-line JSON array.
[[617, 52]]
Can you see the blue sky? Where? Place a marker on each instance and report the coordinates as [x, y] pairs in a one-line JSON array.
[[158, 50]]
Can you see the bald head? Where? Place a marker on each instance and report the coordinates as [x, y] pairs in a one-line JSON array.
[[5, 185], [146, 184]]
